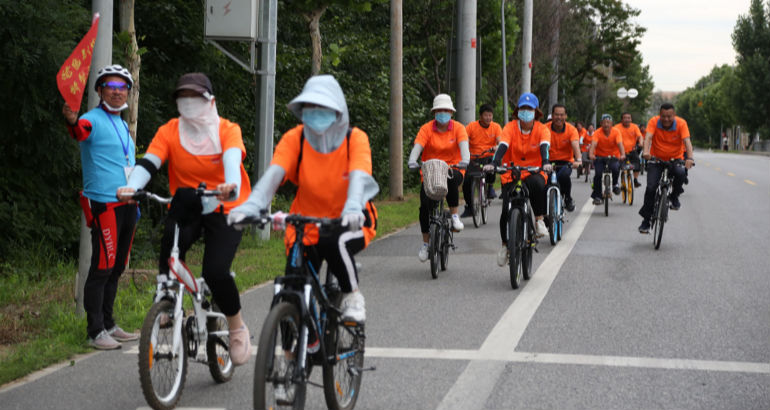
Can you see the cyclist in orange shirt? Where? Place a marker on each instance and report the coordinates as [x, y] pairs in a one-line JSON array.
[[482, 135], [585, 144], [606, 142], [331, 164], [445, 139], [565, 150], [200, 146], [525, 142], [667, 137], [632, 143]]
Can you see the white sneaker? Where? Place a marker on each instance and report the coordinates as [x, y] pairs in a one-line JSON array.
[[457, 224], [353, 307], [281, 396], [502, 256], [423, 254], [541, 229], [103, 341]]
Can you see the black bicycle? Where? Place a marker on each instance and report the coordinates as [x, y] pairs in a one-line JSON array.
[[480, 200], [555, 207], [302, 310], [660, 210], [521, 226], [606, 182]]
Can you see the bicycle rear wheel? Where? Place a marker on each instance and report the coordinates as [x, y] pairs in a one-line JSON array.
[[553, 223], [607, 194], [276, 363], [661, 213], [445, 244], [476, 201], [342, 379], [162, 370], [484, 203], [526, 245], [623, 185], [515, 238], [630, 188], [433, 249], [218, 349]]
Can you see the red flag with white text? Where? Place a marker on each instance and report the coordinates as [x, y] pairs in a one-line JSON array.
[[72, 78]]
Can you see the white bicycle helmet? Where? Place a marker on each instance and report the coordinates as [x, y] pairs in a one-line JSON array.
[[114, 69]]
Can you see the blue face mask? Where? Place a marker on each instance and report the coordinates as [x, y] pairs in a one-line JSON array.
[[526, 116], [319, 119], [443, 117]]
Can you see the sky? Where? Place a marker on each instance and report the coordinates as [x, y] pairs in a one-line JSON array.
[[686, 38]]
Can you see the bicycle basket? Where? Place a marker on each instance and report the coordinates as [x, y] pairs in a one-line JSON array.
[[435, 173]]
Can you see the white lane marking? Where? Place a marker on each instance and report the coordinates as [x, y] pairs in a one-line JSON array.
[[730, 174], [750, 182], [187, 408], [475, 384], [571, 359]]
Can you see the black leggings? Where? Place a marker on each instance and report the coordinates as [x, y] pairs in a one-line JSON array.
[[220, 244], [338, 250], [452, 199], [536, 187]]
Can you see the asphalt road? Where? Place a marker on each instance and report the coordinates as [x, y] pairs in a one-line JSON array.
[[607, 322]]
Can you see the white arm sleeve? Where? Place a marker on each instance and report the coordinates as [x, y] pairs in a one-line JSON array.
[[232, 162]]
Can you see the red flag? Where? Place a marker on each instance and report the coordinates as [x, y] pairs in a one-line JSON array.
[[72, 78]]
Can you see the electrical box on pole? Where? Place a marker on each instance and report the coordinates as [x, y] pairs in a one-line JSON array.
[[231, 20]]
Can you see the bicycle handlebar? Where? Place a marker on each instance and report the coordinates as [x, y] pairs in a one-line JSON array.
[[200, 191], [478, 156], [505, 168], [279, 220], [676, 161]]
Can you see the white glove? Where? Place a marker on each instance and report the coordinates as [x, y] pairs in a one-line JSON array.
[[353, 220], [489, 168], [413, 165], [548, 167]]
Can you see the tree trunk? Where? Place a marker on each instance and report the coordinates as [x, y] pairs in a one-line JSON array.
[[314, 21], [134, 63]]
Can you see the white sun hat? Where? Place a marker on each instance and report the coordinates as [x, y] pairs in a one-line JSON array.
[[443, 102]]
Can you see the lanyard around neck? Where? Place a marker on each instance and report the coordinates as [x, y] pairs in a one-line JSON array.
[[128, 136]]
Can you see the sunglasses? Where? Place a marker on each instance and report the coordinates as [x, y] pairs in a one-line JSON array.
[[116, 86]]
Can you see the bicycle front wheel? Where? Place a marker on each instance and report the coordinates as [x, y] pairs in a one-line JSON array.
[[162, 368], [218, 349], [476, 201], [661, 213], [277, 382], [515, 239], [433, 249], [342, 379]]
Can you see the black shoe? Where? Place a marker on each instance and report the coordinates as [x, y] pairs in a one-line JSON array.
[[616, 190], [674, 203], [598, 201], [645, 226], [569, 204], [686, 180], [467, 213], [491, 194], [637, 184]]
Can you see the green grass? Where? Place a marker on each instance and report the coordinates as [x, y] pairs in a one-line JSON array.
[[38, 325]]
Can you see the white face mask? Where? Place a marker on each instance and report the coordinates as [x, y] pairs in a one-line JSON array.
[[113, 109], [192, 107]]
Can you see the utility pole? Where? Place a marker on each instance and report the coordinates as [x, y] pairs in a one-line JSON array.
[[553, 90], [102, 56], [466, 92], [526, 49], [505, 70], [396, 101]]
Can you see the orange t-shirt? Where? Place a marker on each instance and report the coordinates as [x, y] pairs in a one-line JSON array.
[[523, 149], [481, 139], [586, 144], [186, 170], [668, 144], [607, 145], [322, 180], [561, 142], [441, 145], [630, 135]]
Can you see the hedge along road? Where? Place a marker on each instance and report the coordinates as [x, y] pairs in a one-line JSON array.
[[606, 321]]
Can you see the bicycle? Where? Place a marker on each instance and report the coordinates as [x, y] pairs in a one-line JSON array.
[[606, 183], [302, 305], [440, 235], [660, 209], [479, 189], [169, 336], [555, 208], [521, 226], [627, 182]]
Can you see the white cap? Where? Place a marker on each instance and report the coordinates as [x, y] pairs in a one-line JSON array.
[[443, 102]]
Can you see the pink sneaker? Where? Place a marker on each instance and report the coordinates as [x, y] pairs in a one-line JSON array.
[[240, 345], [121, 335]]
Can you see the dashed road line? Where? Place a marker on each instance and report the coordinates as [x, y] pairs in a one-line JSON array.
[[750, 182]]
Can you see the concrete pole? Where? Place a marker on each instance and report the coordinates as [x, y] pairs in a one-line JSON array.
[[102, 56], [505, 70], [466, 92], [526, 49], [553, 90], [396, 101], [268, 27]]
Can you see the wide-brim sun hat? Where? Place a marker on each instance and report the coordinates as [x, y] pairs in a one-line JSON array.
[[443, 102], [528, 100]]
